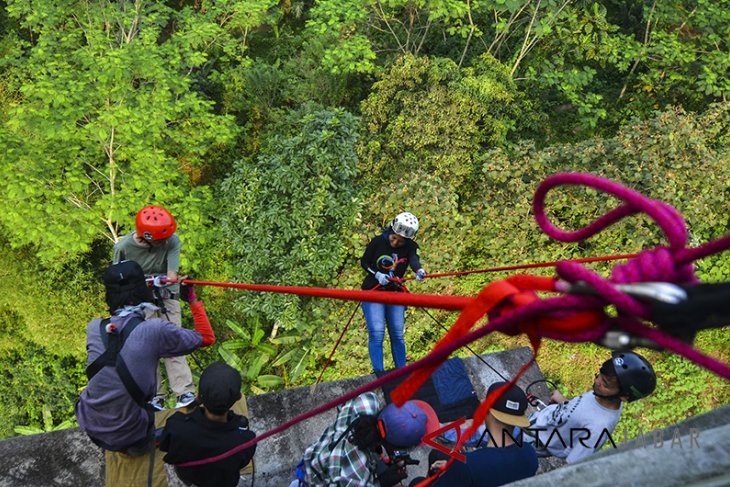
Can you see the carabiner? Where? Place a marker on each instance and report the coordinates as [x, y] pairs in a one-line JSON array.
[[663, 292]]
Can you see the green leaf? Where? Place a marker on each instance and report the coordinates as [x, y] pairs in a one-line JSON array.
[[229, 358], [269, 381], [266, 348], [237, 329], [28, 430], [285, 357], [258, 334], [235, 344]]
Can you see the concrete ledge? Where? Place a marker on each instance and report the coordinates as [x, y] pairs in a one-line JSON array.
[[695, 452], [63, 458]]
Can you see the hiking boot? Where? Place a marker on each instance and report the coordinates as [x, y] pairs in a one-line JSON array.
[[158, 403], [185, 400]]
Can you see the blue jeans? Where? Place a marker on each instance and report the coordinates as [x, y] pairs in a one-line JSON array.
[[376, 317]]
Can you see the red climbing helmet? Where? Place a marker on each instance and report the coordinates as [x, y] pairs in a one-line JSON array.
[[155, 223]]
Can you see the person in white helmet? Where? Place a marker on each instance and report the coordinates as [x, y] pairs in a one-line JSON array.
[[386, 259]]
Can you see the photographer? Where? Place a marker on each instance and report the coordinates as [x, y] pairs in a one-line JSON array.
[[367, 444]]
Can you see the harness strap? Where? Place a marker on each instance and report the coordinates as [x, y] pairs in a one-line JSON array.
[[113, 343]]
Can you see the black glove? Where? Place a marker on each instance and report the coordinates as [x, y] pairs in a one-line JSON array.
[[187, 293], [393, 474]]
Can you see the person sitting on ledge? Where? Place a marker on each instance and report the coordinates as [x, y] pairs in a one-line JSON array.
[[210, 430]]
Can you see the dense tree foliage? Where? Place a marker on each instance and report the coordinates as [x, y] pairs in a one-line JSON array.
[[285, 135]]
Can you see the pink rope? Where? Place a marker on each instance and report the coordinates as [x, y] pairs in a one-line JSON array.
[[668, 218], [665, 264], [677, 346]]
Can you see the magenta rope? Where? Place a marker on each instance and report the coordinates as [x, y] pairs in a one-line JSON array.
[[672, 264], [668, 219]]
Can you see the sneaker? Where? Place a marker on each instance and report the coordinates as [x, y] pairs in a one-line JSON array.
[[184, 400], [158, 403]]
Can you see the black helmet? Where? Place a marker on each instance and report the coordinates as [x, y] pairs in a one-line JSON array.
[[635, 375]]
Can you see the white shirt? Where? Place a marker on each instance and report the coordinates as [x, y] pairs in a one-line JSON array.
[[573, 430]]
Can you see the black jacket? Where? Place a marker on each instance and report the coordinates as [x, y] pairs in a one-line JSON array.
[[380, 246], [192, 436]]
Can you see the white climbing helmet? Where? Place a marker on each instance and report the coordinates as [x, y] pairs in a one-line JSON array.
[[405, 225]]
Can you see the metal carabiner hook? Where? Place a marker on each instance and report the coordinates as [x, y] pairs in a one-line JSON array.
[[664, 292]]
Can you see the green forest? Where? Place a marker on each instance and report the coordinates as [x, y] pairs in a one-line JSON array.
[[284, 135]]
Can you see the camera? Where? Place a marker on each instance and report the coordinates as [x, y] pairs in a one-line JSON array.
[[403, 456]]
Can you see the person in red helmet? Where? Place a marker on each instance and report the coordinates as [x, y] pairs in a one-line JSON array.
[[155, 246], [155, 225]]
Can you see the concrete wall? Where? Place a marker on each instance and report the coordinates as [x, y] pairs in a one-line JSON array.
[[68, 458]]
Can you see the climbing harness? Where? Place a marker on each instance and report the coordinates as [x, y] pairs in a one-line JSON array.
[[113, 341]]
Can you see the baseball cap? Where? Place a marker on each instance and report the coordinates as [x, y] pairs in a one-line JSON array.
[[406, 426], [220, 387], [124, 276], [510, 407]]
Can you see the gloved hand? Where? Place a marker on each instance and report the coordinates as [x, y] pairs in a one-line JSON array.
[[420, 275], [382, 278], [392, 475], [187, 293]]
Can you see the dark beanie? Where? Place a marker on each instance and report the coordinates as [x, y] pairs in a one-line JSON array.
[[220, 387], [126, 275]]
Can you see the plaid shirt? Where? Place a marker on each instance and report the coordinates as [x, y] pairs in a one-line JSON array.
[[333, 460]]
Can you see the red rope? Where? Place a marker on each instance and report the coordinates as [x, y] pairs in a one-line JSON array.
[[435, 356], [513, 307], [523, 317], [477, 308], [531, 266], [499, 298], [451, 303], [480, 415]]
